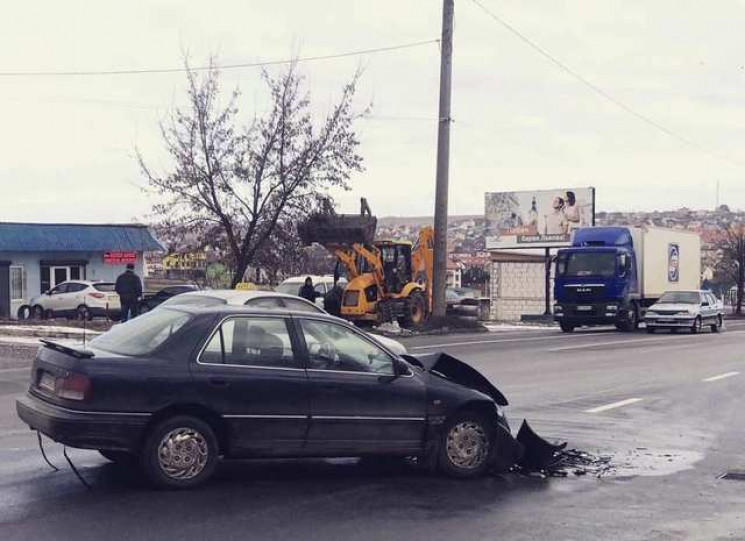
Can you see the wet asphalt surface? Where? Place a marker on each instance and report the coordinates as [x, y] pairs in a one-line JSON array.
[[669, 440]]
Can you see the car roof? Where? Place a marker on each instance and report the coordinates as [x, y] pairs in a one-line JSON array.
[[237, 297], [86, 282], [239, 309], [301, 279]]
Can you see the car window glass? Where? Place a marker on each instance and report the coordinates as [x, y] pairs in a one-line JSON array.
[[335, 347], [74, 288], [143, 334], [251, 342], [186, 299], [62, 288], [265, 302], [301, 306], [105, 287]]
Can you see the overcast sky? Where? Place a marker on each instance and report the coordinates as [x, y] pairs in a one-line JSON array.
[[67, 143]]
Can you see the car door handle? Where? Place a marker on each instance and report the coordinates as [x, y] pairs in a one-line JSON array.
[[218, 382]]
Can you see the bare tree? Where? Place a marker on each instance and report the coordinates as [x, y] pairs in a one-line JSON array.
[[731, 263], [233, 186]]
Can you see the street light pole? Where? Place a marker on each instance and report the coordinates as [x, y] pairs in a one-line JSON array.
[[443, 162]]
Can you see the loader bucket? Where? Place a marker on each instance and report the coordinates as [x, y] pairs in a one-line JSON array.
[[338, 229], [538, 454]]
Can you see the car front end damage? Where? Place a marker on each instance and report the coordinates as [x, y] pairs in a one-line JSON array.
[[527, 449]]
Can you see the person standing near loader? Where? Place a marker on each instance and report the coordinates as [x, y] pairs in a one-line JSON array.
[[129, 288]]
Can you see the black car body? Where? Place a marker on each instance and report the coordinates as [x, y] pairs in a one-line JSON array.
[[261, 383], [154, 300]]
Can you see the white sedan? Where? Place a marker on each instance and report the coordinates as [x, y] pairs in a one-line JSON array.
[[264, 299]]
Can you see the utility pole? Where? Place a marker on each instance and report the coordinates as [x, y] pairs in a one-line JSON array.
[[443, 162]]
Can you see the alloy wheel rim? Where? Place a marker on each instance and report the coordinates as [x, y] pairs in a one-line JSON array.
[[467, 445], [182, 453]]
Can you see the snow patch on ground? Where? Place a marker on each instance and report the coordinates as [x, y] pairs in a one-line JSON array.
[[37, 330]]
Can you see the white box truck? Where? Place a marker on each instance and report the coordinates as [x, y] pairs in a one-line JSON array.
[[611, 275]]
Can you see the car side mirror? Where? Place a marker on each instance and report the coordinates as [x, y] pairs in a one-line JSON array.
[[48, 293]]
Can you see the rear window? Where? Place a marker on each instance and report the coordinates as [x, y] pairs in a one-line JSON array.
[[143, 334], [194, 300], [106, 288]]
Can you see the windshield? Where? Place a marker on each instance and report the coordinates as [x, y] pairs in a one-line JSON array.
[[588, 264], [680, 297], [291, 288], [194, 300], [143, 334]]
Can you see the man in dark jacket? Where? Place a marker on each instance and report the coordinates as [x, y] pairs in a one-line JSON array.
[[307, 291], [129, 288]]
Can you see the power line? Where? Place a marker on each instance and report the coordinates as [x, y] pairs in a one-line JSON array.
[[359, 52], [540, 50]]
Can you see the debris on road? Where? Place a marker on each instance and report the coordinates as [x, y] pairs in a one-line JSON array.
[[572, 462]]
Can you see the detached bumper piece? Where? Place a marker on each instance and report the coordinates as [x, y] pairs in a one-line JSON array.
[[538, 454]]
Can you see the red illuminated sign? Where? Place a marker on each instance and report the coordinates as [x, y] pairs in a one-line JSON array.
[[119, 258]]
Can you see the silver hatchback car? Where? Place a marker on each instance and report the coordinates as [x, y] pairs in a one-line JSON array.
[[685, 310]]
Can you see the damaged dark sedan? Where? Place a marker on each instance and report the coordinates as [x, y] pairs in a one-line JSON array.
[[177, 389]]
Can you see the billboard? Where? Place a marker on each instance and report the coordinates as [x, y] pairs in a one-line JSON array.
[[537, 219]]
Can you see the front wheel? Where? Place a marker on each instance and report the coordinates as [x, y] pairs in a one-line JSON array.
[[180, 452], [697, 325], [566, 327], [467, 445], [84, 313], [632, 321], [718, 325]]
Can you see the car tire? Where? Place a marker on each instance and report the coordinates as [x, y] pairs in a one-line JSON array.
[[37, 312], [467, 446], [718, 325], [83, 313], [415, 311], [25, 313], [118, 457], [180, 452], [566, 327], [632, 322], [697, 325], [651, 330]]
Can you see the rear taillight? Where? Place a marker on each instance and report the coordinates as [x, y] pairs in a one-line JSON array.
[[97, 295], [73, 386]]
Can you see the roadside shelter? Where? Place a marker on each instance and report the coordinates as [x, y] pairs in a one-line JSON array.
[[36, 257]]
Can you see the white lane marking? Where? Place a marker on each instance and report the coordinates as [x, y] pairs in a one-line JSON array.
[[720, 376], [614, 405], [503, 340]]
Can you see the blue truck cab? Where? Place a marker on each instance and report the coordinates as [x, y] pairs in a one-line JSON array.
[[596, 280]]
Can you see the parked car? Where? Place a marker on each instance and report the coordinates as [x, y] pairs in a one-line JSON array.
[[685, 310], [152, 300], [462, 301], [263, 299], [178, 387], [321, 284], [77, 298]]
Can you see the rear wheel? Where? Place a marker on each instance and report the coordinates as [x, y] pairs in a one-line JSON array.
[[467, 445], [415, 311], [697, 325], [180, 452], [718, 325], [566, 327], [84, 313]]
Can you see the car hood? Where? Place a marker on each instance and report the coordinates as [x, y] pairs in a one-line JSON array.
[[452, 369], [670, 307], [393, 345]]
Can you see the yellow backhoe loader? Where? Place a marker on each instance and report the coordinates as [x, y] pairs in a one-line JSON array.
[[387, 280]]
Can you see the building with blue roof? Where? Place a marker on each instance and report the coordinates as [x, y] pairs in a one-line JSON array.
[[35, 258]]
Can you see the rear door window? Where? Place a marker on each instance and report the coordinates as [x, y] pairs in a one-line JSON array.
[[105, 288], [244, 341]]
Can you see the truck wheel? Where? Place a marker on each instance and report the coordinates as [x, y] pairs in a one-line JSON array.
[[718, 325], [415, 311], [697, 325], [180, 452], [566, 327], [632, 321], [467, 445]]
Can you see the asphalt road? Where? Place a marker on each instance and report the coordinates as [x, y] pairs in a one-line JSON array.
[[666, 408]]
